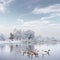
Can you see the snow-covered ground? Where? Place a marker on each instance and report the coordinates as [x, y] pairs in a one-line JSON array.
[[8, 42]]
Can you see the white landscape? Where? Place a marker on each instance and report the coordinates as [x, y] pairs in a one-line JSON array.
[[29, 29]]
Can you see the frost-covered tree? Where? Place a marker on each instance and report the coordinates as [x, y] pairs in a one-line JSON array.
[[11, 36], [17, 35], [29, 34]]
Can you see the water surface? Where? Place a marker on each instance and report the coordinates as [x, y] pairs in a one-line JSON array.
[[15, 52]]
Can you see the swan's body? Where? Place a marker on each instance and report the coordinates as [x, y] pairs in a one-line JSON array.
[[45, 52]]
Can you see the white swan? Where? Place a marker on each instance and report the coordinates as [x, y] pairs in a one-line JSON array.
[[45, 52]]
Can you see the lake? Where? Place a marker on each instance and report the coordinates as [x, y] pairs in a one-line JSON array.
[[27, 52]]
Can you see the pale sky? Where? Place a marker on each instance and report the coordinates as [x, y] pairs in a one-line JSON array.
[[41, 16]]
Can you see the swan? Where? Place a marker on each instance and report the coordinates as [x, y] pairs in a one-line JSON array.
[[45, 52], [35, 52]]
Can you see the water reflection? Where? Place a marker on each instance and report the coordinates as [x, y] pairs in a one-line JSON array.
[[25, 50], [30, 51]]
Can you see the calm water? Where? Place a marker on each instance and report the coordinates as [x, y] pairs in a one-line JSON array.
[[15, 52]]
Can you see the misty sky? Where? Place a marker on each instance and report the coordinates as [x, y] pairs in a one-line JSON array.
[[41, 16]]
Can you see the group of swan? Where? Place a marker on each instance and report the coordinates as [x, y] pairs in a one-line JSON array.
[[31, 53], [35, 53]]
